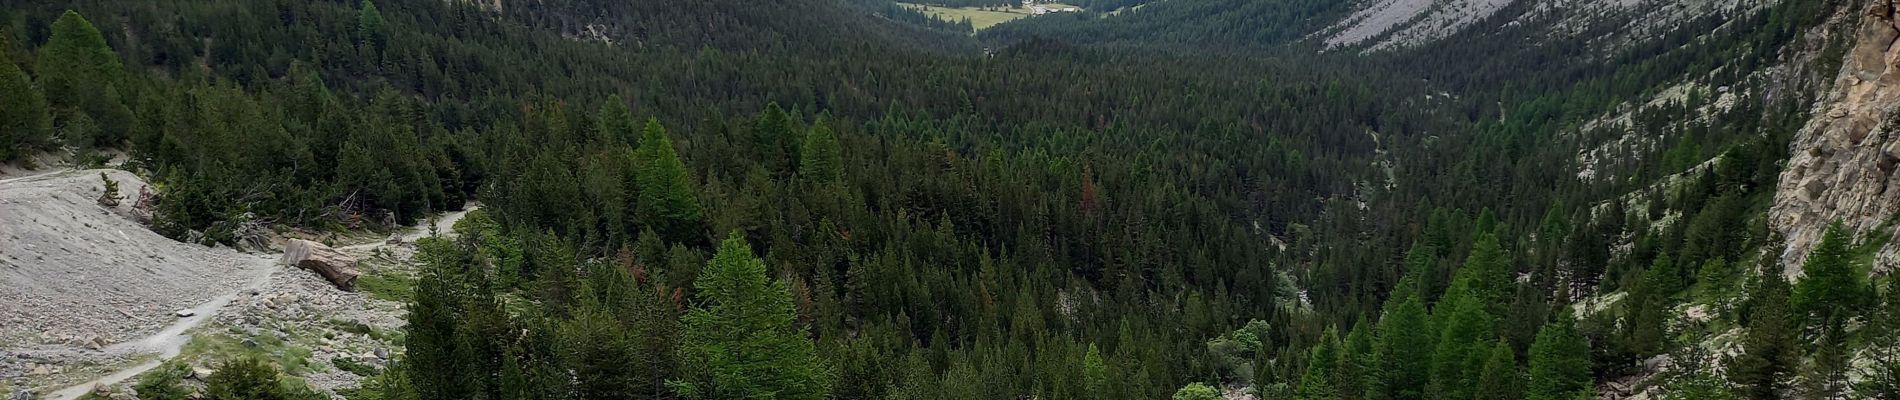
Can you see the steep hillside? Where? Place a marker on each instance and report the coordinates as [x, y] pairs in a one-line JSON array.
[[1843, 166], [1394, 24]]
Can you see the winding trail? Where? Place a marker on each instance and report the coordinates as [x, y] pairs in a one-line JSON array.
[[169, 342]]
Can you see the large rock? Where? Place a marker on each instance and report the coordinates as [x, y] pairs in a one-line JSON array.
[[1844, 165], [335, 266]]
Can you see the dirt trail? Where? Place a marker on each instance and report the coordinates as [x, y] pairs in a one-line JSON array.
[[169, 342], [443, 224], [82, 284]]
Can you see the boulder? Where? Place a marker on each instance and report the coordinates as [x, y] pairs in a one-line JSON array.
[[333, 265]]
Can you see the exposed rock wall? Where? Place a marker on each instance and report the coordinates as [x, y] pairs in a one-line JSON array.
[[1843, 166], [1392, 24]]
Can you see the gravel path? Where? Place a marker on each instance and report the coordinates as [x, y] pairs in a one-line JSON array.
[[86, 290]]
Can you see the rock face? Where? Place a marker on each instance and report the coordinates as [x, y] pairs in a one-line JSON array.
[[1390, 24], [1843, 166], [338, 268]]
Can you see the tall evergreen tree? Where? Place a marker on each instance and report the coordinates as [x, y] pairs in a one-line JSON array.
[[1768, 348], [1321, 369], [741, 341], [1404, 347], [371, 31], [1095, 376], [666, 199], [1559, 362], [1357, 361], [1500, 379], [774, 137], [1462, 345], [1829, 288], [24, 122], [82, 77], [820, 160], [617, 122]]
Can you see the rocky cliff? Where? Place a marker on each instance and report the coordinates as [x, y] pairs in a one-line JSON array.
[[1390, 24], [1844, 161]]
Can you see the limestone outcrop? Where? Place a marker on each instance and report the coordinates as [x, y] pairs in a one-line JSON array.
[[1844, 161]]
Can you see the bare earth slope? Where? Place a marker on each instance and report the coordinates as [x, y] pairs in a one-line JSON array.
[[85, 287], [73, 272]]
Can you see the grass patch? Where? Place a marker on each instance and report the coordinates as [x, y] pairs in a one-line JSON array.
[[980, 17], [384, 284], [290, 355], [352, 366]]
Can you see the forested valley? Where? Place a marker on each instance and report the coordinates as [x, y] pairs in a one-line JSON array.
[[816, 199]]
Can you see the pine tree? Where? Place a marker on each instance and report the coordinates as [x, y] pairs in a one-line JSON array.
[[435, 325], [1465, 327], [1486, 275], [1500, 379], [773, 134], [1559, 362], [819, 160], [1768, 353], [741, 341], [602, 354], [81, 76], [1404, 347], [1095, 375], [1644, 330], [1321, 370], [667, 202], [1830, 289], [1826, 377], [1356, 362], [371, 31], [617, 122], [24, 122]]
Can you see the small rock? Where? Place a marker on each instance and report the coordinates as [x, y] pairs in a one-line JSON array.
[[22, 394], [1837, 113], [185, 313], [247, 342], [41, 370], [101, 389], [201, 373], [382, 353]]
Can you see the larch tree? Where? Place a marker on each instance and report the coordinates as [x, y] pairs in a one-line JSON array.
[[740, 342], [774, 135], [80, 75], [1500, 379], [1356, 362], [1830, 288], [1768, 354], [1465, 327], [371, 30], [666, 202], [1095, 376], [1559, 362], [1318, 382], [1404, 347], [820, 160], [24, 122], [617, 122]]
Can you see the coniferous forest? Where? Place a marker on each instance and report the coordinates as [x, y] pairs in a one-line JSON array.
[[815, 199]]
